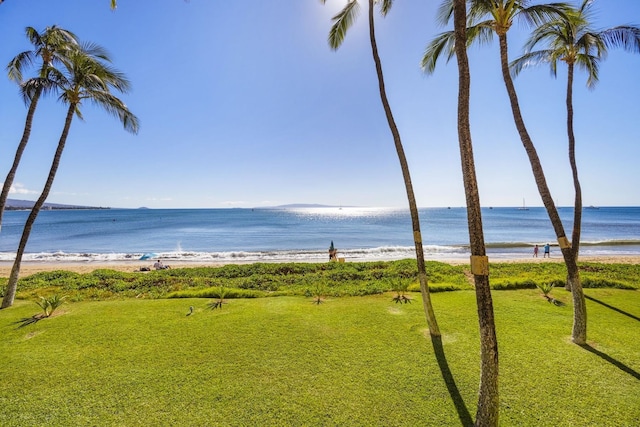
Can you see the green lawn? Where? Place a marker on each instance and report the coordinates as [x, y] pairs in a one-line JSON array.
[[348, 361]]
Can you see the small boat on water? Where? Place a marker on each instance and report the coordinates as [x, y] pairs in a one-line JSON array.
[[524, 206]]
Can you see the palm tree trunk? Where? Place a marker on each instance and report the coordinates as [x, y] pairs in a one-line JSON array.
[[577, 208], [415, 220], [12, 285], [579, 333], [488, 396], [8, 182]]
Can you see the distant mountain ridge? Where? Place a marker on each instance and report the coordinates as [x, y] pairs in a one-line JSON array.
[[15, 204]]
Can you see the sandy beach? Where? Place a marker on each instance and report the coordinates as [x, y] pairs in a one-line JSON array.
[[28, 268]]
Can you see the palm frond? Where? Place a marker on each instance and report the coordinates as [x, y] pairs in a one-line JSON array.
[[625, 36], [385, 6], [443, 42], [586, 4], [33, 36], [549, 33], [591, 65], [533, 59], [29, 88], [114, 106], [445, 12], [342, 22], [480, 9], [96, 51], [539, 14], [18, 64], [481, 33]]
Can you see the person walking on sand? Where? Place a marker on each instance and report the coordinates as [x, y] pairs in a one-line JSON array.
[[535, 251], [547, 251]]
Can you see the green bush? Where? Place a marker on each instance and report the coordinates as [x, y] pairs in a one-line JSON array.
[[341, 279]]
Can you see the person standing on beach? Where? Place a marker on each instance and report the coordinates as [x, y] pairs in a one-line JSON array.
[[535, 251], [547, 251], [332, 252]]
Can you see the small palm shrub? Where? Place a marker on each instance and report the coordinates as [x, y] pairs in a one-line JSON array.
[[319, 292], [400, 286], [49, 305], [546, 289], [220, 293]]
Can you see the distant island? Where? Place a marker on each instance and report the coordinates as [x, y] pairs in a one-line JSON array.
[[19, 205]]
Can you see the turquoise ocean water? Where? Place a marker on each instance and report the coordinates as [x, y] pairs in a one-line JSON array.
[[303, 234]]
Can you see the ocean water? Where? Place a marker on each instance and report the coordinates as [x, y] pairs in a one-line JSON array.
[[303, 234]]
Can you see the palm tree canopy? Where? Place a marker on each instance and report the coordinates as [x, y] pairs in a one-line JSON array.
[[90, 77], [504, 12], [486, 18], [347, 17], [571, 38], [51, 46]]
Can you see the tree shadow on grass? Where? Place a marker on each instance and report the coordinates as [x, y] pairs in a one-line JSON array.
[[613, 361], [456, 397], [28, 320], [612, 308]]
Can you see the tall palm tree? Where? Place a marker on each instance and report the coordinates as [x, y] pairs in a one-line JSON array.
[[50, 47], [488, 396], [341, 24], [500, 15], [88, 78], [572, 39]]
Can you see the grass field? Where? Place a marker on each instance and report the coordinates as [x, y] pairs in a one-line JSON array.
[[348, 361]]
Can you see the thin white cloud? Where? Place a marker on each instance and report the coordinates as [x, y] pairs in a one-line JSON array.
[[18, 188], [233, 203]]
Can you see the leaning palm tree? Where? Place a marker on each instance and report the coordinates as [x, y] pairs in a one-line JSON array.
[[50, 47], [572, 39], [500, 15], [88, 78], [341, 24]]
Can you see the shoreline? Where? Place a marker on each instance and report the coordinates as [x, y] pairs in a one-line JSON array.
[[28, 268]]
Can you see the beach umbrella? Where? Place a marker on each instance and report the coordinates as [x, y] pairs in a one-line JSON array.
[[331, 247], [148, 255]]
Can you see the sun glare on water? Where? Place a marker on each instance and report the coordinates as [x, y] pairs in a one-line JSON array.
[[346, 212]]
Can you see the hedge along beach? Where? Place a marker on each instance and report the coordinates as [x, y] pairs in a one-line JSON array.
[[117, 238]]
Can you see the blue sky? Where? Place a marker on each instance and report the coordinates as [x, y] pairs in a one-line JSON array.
[[243, 104]]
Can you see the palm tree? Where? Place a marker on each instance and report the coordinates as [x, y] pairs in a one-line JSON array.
[[88, 77], [571, 39], [488, 396], [50, 47], [500, 16], [341, 24]]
